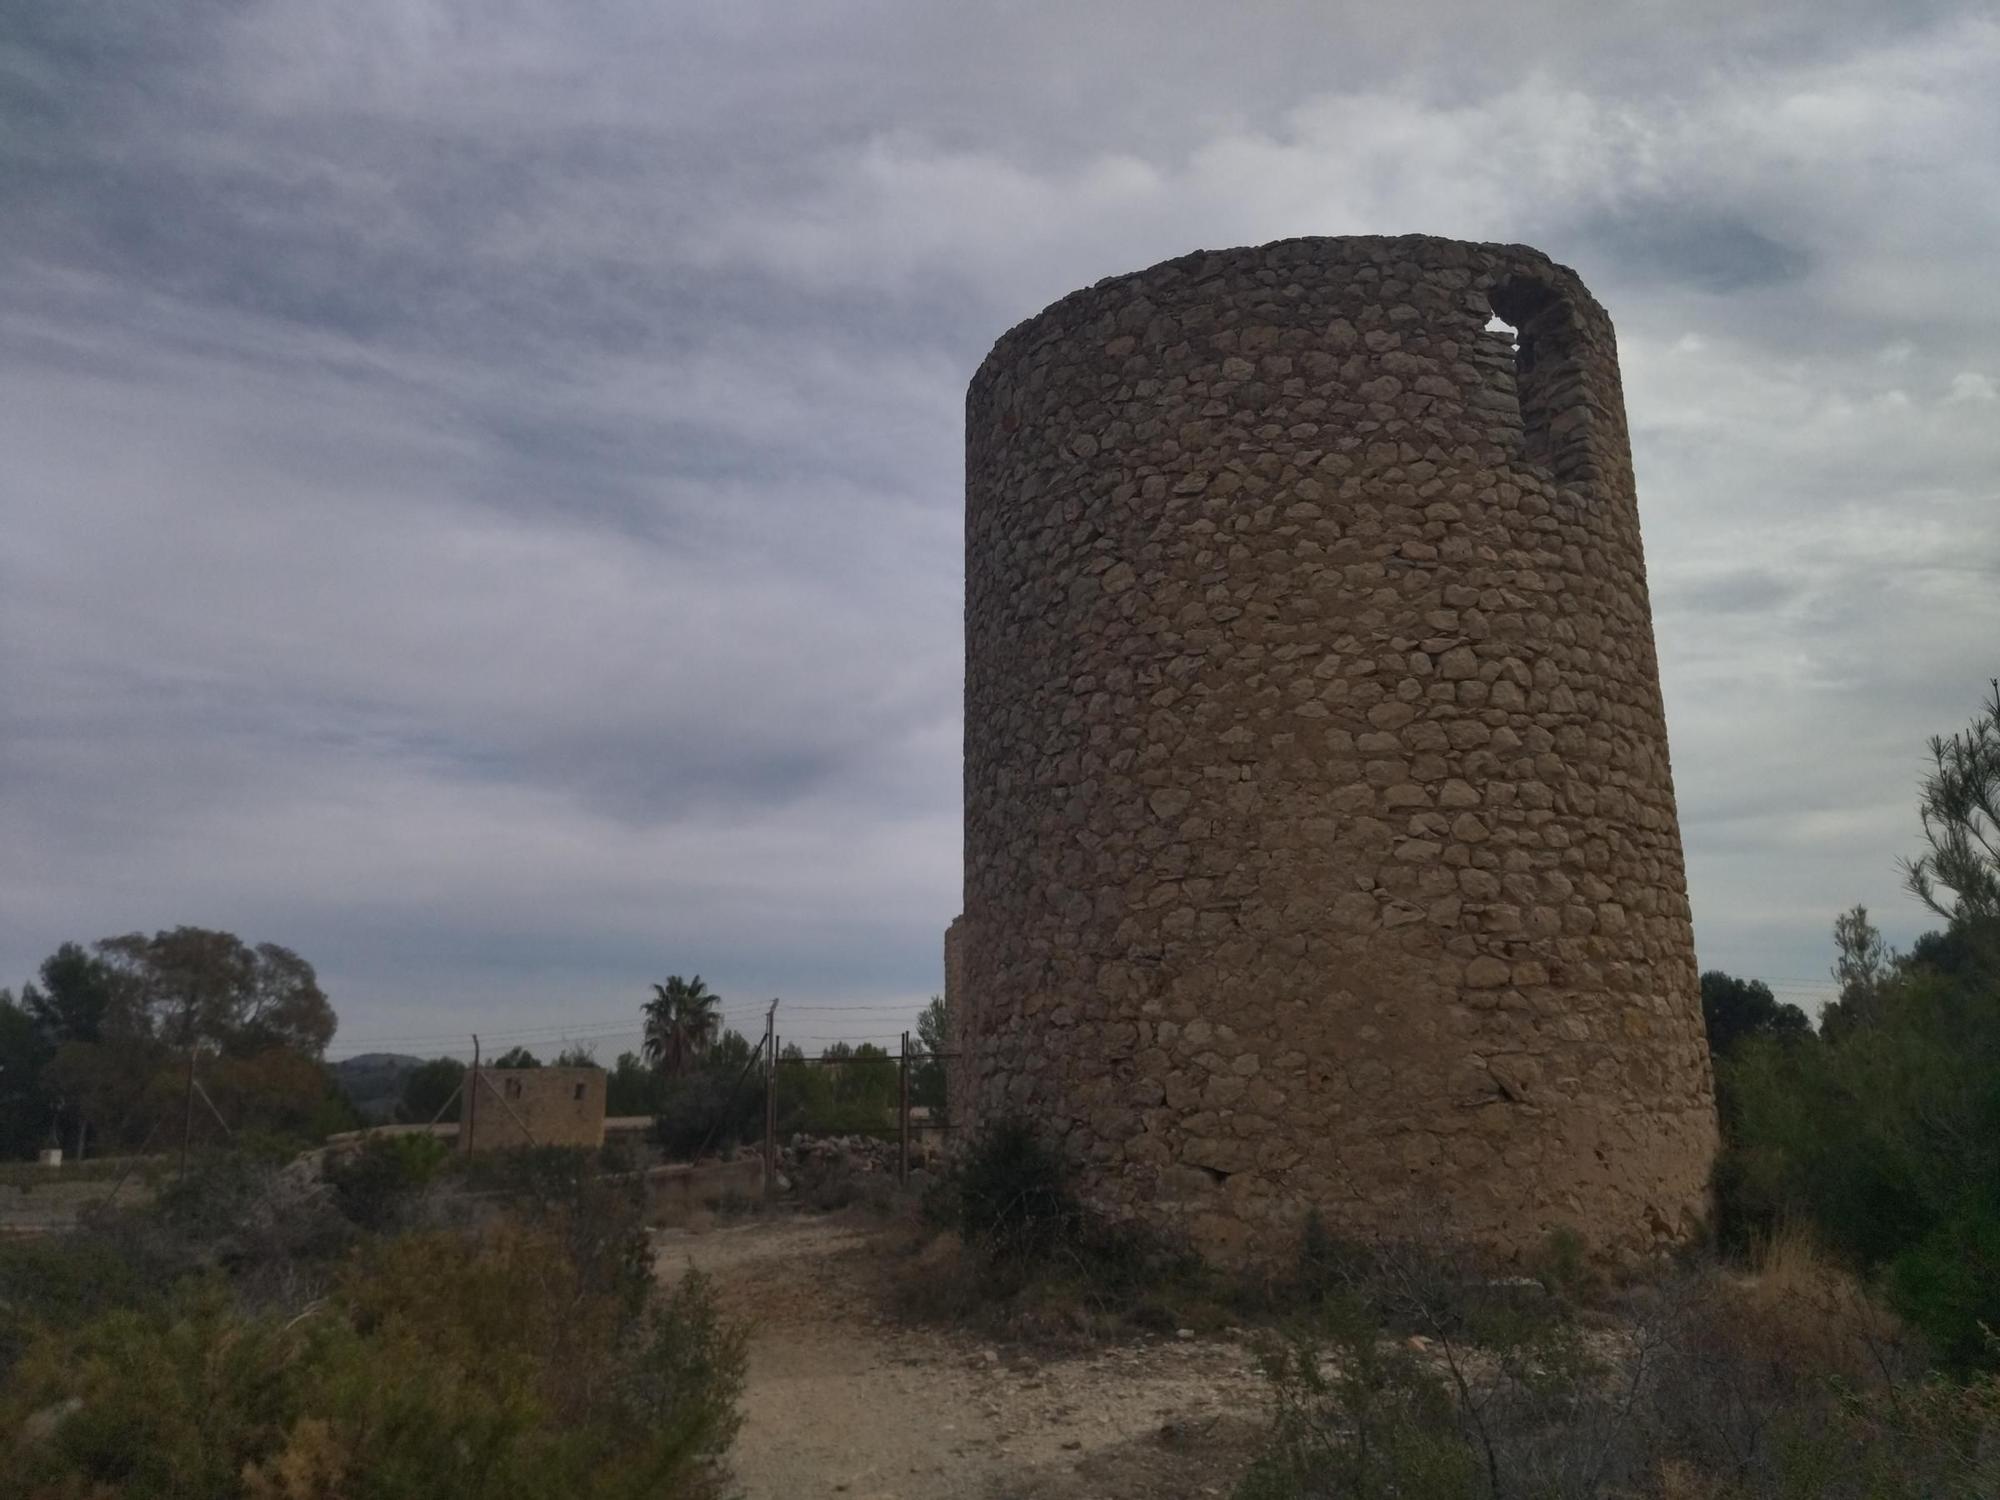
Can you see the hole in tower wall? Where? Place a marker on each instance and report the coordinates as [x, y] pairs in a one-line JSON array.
[[1536, 323]]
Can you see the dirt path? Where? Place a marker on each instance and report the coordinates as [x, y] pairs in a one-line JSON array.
[[845, 1399]]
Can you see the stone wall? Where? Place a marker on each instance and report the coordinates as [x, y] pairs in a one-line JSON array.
[[531, 1106], [1320, 843]]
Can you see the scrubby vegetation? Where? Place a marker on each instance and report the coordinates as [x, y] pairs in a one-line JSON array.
[[1882, 1133], [1415, 1370], [396, 1329], [96, 1052], [1011, 1250]]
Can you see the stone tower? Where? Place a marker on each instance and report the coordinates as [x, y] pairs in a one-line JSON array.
[[1320, 845]]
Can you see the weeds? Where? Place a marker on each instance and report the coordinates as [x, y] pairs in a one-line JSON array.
[[249, 1337], [1417, 1371], [1017, 1253]]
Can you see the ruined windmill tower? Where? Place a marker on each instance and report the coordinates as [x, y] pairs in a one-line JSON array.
[[1320, 845]]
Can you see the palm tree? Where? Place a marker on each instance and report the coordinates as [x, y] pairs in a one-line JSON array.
[[682, 1019]]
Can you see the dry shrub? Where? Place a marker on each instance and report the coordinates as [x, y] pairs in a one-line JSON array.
[[1804, 1317]]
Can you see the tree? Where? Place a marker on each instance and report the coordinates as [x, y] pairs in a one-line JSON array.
[[26, 1111], [1864, 966], [716, 1104], [78, 998], [428, 1088], [195, 987], [682, 1019], [1733, 1009], [927, 1078], [516, 1057], [631, 1088], [1959, 804]]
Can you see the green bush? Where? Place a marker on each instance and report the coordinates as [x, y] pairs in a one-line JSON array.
[[374, 1184], [63, 1280], [1417, 1372], [1885, 1137], [1013, 1195], [442, 1366], [1355, 1414]]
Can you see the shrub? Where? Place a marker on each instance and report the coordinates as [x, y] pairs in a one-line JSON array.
[[374, 1184], [1356, 1415], [1026, 1258], [1420, 1374], [442, 1366], [1013, 1199], [62, 1280], [1885, 1137]]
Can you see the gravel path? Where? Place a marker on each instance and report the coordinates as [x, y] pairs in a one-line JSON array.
[[845, 1398]]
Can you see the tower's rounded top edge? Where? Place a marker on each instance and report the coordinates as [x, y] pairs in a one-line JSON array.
[[1308, 254]]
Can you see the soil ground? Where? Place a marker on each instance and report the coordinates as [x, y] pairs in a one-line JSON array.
[[848, 1398]]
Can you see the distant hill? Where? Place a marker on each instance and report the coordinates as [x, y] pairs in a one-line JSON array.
[[373, 1081]]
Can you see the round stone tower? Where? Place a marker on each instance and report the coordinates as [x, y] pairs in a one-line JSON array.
[[1320, 846]]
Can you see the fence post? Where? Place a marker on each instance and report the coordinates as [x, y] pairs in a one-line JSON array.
[[903, 1116], [771, 1101]]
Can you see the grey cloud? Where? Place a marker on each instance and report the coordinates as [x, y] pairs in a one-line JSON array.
[[1710, 252], [482, 486]]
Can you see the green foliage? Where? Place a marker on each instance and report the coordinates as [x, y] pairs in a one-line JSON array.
[[516, 1057], [109, 1029], [1031, 1261], [61, 1281], [631, 1087], [27, 1109], [1958, 876], [77, 999], [847, 1090], [927, 1077], [716, 1106], [1885, 1136], [373, 1185], [441, 1367], [428, 1089], [1014, 1199], [1418, 1372], [220, 1346], [1357, 1415], [1733, 1009], [681, 1020], [195, 986]]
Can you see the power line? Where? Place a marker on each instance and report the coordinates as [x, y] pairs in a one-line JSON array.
[[600, 1030]]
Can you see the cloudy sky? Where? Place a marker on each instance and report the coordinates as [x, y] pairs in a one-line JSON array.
[[482, 481]]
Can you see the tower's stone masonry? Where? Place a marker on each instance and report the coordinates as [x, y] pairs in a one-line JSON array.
[[1320, 846]]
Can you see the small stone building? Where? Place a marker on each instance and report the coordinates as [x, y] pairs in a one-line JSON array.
[[1320, 842], [505, 1107]]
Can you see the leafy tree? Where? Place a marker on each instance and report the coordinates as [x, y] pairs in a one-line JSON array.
[[717, 1104], [428, 1088], [1863, 966], [277, 1093], [1733, 1009], [192, 986], [1959, 806], [516, 1057], [927, 1078], [682, 1019], [116, 1023], [847, 1090], [26, 1110], [632, 1088], [78, 998]]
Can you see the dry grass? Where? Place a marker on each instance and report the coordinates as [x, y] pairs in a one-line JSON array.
[[1806, 1318]]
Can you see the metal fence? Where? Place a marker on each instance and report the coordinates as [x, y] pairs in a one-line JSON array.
[[863, 1090]]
